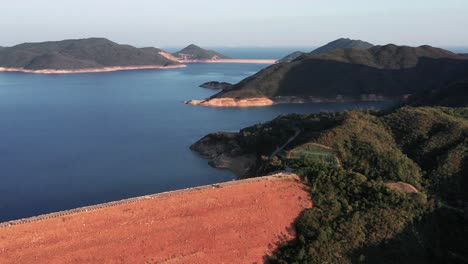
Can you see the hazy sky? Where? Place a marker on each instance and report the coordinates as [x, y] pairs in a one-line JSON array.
[[236, 22]]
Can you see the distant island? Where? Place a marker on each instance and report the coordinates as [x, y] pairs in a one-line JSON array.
[[81, 55], [216, 85], [380, 73], [102, 55], [341, 43], [196, 54]]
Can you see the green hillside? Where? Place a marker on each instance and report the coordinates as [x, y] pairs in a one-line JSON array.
[[390, 72], [364, 210], [342, 43], [194, 52], [79, 54]]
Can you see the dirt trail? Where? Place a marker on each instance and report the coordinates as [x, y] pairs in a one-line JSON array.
[[237, 222]]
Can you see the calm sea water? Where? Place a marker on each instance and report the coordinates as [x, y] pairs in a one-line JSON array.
[[73, 140]]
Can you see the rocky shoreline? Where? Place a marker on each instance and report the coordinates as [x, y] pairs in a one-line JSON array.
[[252, 61], [232, 102], [267, 101]]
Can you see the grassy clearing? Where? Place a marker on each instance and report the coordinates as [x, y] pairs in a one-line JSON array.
[[314, 152]]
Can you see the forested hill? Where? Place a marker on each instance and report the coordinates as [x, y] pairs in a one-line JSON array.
[[388, 71], [77, 54], [342, 43], [386, 187], [194, 52]]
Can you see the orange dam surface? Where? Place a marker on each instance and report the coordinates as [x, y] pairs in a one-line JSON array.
[[234, 222]]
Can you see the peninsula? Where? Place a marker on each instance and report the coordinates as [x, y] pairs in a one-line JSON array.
[[380, 73]]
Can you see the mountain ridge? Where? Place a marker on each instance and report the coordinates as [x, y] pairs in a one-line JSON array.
[[387, 70], [336, 44]]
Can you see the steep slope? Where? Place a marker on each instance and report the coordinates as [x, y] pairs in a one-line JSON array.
[[78, 54], [381, 72], [193, 53], [292, 56]]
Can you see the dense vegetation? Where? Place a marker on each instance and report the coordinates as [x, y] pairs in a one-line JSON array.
[[390, 72], [79, 54], [358, 217], [342, 43], [454, 94], [193, 52]]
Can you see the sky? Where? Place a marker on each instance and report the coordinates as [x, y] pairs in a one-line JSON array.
[[245, 23]]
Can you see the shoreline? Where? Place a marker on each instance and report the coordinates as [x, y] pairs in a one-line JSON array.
[[247, 61], [91, 70], [268, 101]]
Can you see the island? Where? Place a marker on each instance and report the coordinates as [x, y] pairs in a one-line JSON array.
[[196, 54], [103, 55], [82, 55], [381, 73], [216, 85]]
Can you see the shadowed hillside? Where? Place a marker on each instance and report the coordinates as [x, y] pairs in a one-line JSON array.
[[382, 71], [292, 56], [342, 43], [455, 94], [79, 54]]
